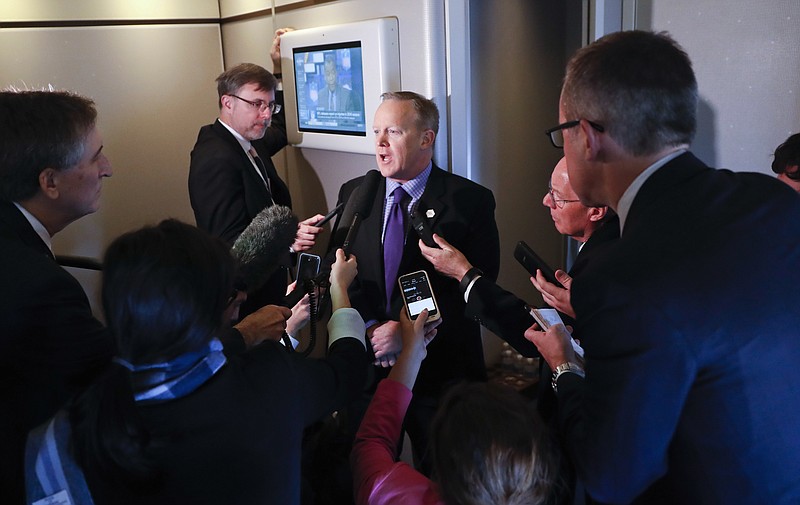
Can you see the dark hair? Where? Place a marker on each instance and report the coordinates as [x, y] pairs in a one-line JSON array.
[[38, 130], [788, 155], [427, 111], [230, 81], [639, 85], [490, 446], [164, 291]]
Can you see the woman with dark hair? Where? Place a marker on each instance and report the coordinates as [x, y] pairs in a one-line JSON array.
[[488, 444], [176, 419]]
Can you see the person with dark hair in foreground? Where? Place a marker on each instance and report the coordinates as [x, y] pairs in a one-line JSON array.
[[487, 443], [688, 321], [787, 162], [176, 419]]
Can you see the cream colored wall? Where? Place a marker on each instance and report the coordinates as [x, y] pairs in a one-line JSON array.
[[746, 58], [153, 86], [82, 10]]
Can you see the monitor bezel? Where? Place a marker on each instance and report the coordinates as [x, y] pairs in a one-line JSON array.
[[380, 56]]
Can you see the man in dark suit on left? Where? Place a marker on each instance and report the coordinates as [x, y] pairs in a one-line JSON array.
[[231, 175], [51, 171]]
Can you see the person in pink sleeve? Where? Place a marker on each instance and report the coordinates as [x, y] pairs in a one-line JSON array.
[[519, 463]]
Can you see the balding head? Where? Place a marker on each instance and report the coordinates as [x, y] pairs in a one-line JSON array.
[[570, 216]]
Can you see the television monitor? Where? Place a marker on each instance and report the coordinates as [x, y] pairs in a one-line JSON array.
[[329, 86], [337, 76]]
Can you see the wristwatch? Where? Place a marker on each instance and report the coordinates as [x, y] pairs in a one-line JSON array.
[[564, 368]]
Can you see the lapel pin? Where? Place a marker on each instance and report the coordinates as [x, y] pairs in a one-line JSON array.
[[430, 213]]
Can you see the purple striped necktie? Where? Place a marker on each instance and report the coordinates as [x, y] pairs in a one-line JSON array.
[[394, 241]]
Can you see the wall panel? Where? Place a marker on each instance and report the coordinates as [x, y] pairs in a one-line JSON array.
[[154, 87], [83, 10], [746, 57]]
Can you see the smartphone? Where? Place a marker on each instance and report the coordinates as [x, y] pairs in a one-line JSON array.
[[531, 261], [418, 295], [421, 226], [329, 215], [547, 318], [307, 267]]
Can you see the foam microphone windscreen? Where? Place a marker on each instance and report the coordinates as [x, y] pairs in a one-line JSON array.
[[262, 245]]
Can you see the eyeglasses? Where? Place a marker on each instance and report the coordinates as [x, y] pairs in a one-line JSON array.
[[262, 106], [556, 202], [556, 133]]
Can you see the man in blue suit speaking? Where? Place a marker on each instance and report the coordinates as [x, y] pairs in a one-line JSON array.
[[691, 383]]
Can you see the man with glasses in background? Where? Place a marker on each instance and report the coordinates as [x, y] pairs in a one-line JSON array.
[[504, 313], [578, 221], [689, 321], [231, 175]]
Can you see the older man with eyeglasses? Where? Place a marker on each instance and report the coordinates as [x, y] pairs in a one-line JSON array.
[[504, 313], [577, 221]]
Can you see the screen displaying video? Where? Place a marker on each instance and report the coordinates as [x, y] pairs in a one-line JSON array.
[[329, 83]]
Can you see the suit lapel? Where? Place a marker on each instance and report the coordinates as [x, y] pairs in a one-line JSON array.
[[16, 223], [432, 200], [253, 180], [432, 197], [372, 229], [660, 184]]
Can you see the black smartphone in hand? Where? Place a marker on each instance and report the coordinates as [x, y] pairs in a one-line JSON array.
[[307, 267], [531, 261]]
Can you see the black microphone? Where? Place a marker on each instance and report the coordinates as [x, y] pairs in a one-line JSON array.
[[263, 244], [358, 207], [420, 224]]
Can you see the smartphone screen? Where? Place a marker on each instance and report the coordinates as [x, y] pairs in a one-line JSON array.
[[417, 295], [307, 267]]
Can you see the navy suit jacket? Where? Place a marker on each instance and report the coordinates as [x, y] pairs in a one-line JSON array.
[[50, 344], [226, 193], [508, 316], [464, 215], [692, 340]]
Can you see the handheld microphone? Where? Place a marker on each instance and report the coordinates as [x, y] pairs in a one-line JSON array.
[[359, 206], [263, 244], [420, 224]]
